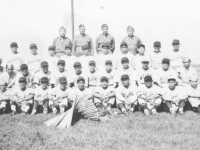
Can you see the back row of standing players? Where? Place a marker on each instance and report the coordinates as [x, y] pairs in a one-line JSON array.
[[73, 60]]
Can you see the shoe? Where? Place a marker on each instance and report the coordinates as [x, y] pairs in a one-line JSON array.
[[146, 112], [33, 112], [62, 111], [45, 111], [154, 112], [181, 112]]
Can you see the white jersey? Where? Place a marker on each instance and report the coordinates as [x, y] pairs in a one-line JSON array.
[[84, 60], [137, 61], [69, 62], [130, 57], [19, 94], [141, 73], [33, 62], [59, 93], [80, 94], [40, 92], [130, 72], [29, 79], [94, 78], [193, 91], [73, 78], [15, 59], [57, 74], [52, 61], [112, 76], [9, 79], [185, 74], [41, 74], [156, 59], [176, 58], [4, 95]]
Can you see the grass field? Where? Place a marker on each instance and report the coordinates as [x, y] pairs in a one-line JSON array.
[[163, 131]]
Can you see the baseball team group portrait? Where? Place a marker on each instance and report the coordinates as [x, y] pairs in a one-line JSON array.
[[103, 92]]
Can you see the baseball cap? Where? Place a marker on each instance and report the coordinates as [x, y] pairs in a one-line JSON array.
[[44, 80], [124, 59], [80, 79], [77, 64], [175, 41], [33, 45], [108, 61], [23, 66], [123, 44], [13, 44], [92, 62], [22, 80], [68, 46], [81, 26], [103, 78], [130, 28], [125, 76], [193, 78], [145, 60], [165, 60], [148, 78], [61, 62], [44, 63], [51, 48], [62, 28], [85, 47], [141, 45], [157, 44], [62, 80], [105, 44], [104, 25], [186, 59], [171, 77]]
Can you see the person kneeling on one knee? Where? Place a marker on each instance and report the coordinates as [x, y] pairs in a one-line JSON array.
[[4, 96], [42, 95], [21, 98], [104, 95], [174, 96], [59, 96], [126, 95], [149, 96]]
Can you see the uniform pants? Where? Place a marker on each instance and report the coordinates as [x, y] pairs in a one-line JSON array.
[[45, 104], [19, 106], [144, 104]]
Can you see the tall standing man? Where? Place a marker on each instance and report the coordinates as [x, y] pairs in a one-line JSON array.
[[105, 37], [80, 40], [60, 42], [132, 40]]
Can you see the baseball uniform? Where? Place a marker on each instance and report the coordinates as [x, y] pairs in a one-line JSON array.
[[29, 79], [69, 62], [130, 72], [112, 76], [73, 78], [102, 58], [52, 61], [41, 74], [33, 62], [137, 61], [84, 60], [156, 59], [121, 55], [9, 79], [93, 79], [4, 97], [57, 74], [193, 93], [141, 73]]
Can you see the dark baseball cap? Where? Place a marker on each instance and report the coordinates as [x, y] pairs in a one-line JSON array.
[[62, 80], [80, 79], [148, 78], [44, 63], [105, 44], [23, 66], [77, 64], [165, 60], [157, 44], [33, 46], [92, 62], [104, 25], [175, 41], [124, 59], [125, 76], [22, 80], [51, 48], [123, 44], [141, 45], [104, 78], [108, 61], [130, 28], [68, 46], [61, 62], [13, 44], [84, 47], [44, 80]]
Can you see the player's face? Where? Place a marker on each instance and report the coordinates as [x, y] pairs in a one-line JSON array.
[[61, 67], [194, 83], [68, 51], [165, 66], [125, 82], [3, 86], [105, 30], [24, 71], [141, 50], [125, 64], [44, 85], [175, 46], [172, 84], [105, 50], [10, 71], [92, 67], [63, 86], [81, 84], [51, 52], [33, 50], [148, 83], [124, 49], [86, 52], [145, 65], [104, 84], [22, 85], [82, 30], [108, 66], [130, 32], [45, 69], [78, 69], [14, 49], [62, 32], [186, 64], [157, 48]]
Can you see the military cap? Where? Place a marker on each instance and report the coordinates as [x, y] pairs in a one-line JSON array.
[[80, 79], [165, 60], [175, 41], [13, 44], [22, 80], [62, 80], [61, 62], [84, 47], [141, 45], [77, 64], [104, 25], [123, 44], [108, 61], [44, 63], [105, 44], [124, 59], [157, 44], [148, 78], [130, 28], [92, 62], [104, 78], [68, 46], [23, 66], [62, 28], [33, 45], [125, 76], [81, 26], [44, 80], [51, 48]]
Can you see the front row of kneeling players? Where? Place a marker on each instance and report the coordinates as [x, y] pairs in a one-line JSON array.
[[148, 96]]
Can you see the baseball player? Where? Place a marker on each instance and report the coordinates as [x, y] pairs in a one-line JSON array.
[[80, 40], [93, 76], [59, 97], [185, 72], [137, 61], [61, 72], [1, 67], [44, 72], [69, 58], [132, 40], [104, 95], [42, 96], [21, 98], [156, 56], [193, 92], [105, 37], [126, 96], [4, 96], [149, 96], [174, 96], [164, 73], [124, 53], [60, 42], [85, 58], [77, 73]]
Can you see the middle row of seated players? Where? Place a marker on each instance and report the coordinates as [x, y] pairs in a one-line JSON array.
[[127, 95]]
